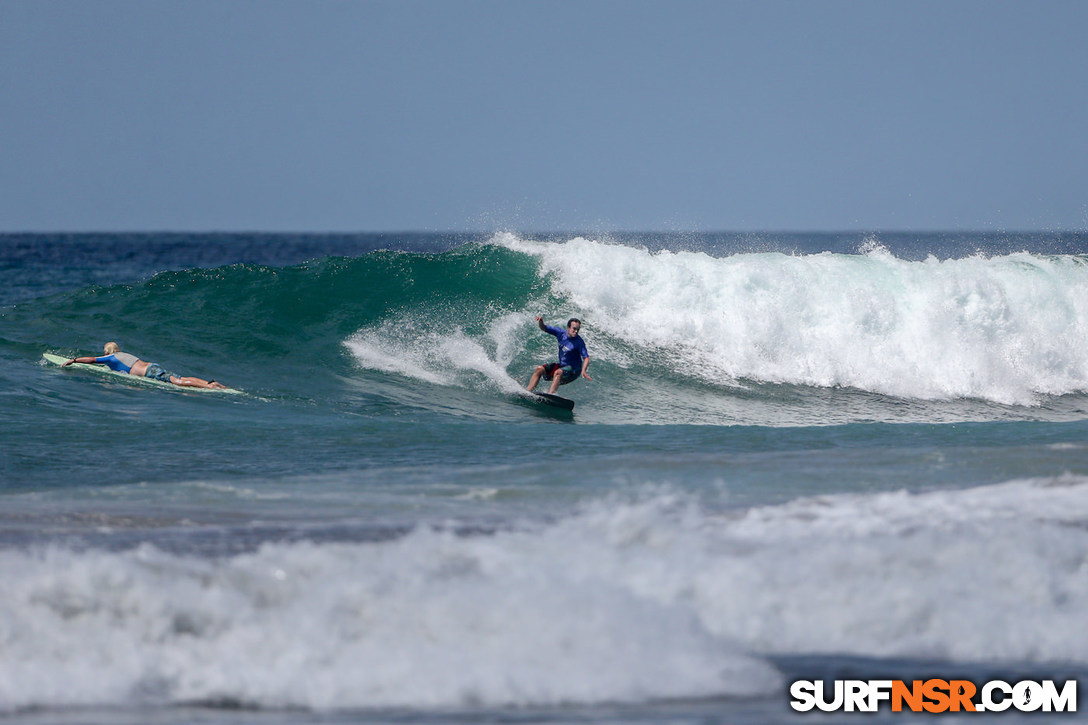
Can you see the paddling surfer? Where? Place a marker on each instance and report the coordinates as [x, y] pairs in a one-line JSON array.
[[123, 362], [573, 357]]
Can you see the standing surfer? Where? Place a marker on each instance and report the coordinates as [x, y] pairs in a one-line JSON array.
[[573, 357]]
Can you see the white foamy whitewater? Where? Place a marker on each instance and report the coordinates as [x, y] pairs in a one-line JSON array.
[[628, 599], [1006, 329]]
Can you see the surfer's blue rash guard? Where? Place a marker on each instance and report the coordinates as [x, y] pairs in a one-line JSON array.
[[121, 362], [572, 350]]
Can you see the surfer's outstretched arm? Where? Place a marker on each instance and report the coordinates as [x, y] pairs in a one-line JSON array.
[[84, 360]]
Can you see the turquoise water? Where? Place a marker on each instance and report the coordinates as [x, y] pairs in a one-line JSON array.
[[799, 454]]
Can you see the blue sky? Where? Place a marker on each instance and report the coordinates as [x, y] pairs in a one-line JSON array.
[[561, 115]]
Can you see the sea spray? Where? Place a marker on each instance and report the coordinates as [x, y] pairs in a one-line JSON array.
[[1006, 329]]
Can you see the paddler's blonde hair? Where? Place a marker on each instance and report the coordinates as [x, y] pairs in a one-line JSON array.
[[112, 347]]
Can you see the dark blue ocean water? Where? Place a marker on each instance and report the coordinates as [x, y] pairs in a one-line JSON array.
[[799, 454]]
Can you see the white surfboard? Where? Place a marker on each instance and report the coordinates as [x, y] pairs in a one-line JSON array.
[[103, 370]]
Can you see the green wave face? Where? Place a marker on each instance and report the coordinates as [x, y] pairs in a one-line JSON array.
[[674, 336], [267, 316]]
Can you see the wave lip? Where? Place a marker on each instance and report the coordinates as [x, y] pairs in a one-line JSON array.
[[1004, 329], [679, 327]]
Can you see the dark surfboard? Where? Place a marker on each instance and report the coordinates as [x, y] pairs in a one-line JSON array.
[[554, 400]]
